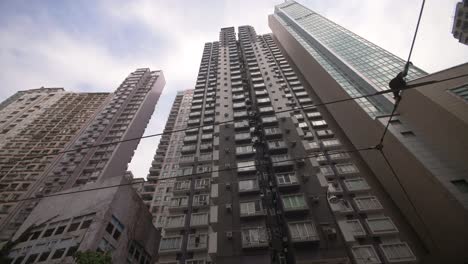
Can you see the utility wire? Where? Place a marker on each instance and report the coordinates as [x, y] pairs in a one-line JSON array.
[[395, 106], [408, 87], [395, 175], [416, 31], [313, 155], [397, 85]]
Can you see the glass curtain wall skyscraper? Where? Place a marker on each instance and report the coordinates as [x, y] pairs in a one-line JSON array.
[[411, 166]]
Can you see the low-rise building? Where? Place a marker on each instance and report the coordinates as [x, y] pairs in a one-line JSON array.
[[88, 218]]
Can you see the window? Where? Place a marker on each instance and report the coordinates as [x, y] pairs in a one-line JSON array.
[[137, 254], [31, 259], [246, 166], [462, 92], [203, 168], [194, 261], [397, 252], [241, 150], [184, 171], [248, 185], [326, 170], [170, 243], [197, 241], [74, 226], [71, 251], [200, 200], [179, 201], [294, 202], [303, 231], [276, 144], [86, 223], [58, 253], [269, 119], [48, 232], [355, 227], [346, 168], [251, 208], [331, 143], [114, 228], [202, 183], [199, 219], [175, 221], [44, 256], [365, 254], [59, 230], [461, 185], [286, 178], [181, 185], [105, 246], [367, 203], [357, 184], [381, 225], [242, 136], [254, 236], [319, 123]]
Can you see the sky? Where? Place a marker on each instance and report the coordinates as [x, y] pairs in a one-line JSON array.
[[91, 46]]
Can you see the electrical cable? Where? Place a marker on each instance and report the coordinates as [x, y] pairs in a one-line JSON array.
[[314, 155], [231, 121]]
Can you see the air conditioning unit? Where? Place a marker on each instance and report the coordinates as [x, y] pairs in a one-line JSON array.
[[331, 232], [300, 162], [229, 207], [315, 198], [229, 235], [228, 186]]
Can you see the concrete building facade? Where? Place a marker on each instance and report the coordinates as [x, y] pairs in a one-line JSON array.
[[265, 176], [460, 22], [70, 126], [113, 220], [157, 190], [37, 122], [424, 167]]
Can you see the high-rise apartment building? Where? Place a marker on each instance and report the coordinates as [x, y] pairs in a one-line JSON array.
[[264, 176], [38, 126], [460, 22], [424, 169], [158, 189]]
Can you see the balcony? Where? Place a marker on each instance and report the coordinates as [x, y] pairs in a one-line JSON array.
[[254, 237], [282, 162], [202, 184], [246, 167], [287, 180], [197, 242], [178, 204], [341, 207], [170, 245], [334, 188], [277, 146], [356, 185], [303, 231], [199, 220], [201, 200], [175, 222], [368, 203], [248, 186], [294, 203], [251, 208], [181, 187]]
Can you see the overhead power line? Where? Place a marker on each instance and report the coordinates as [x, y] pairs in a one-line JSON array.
[[314, 155], [408, 87]]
